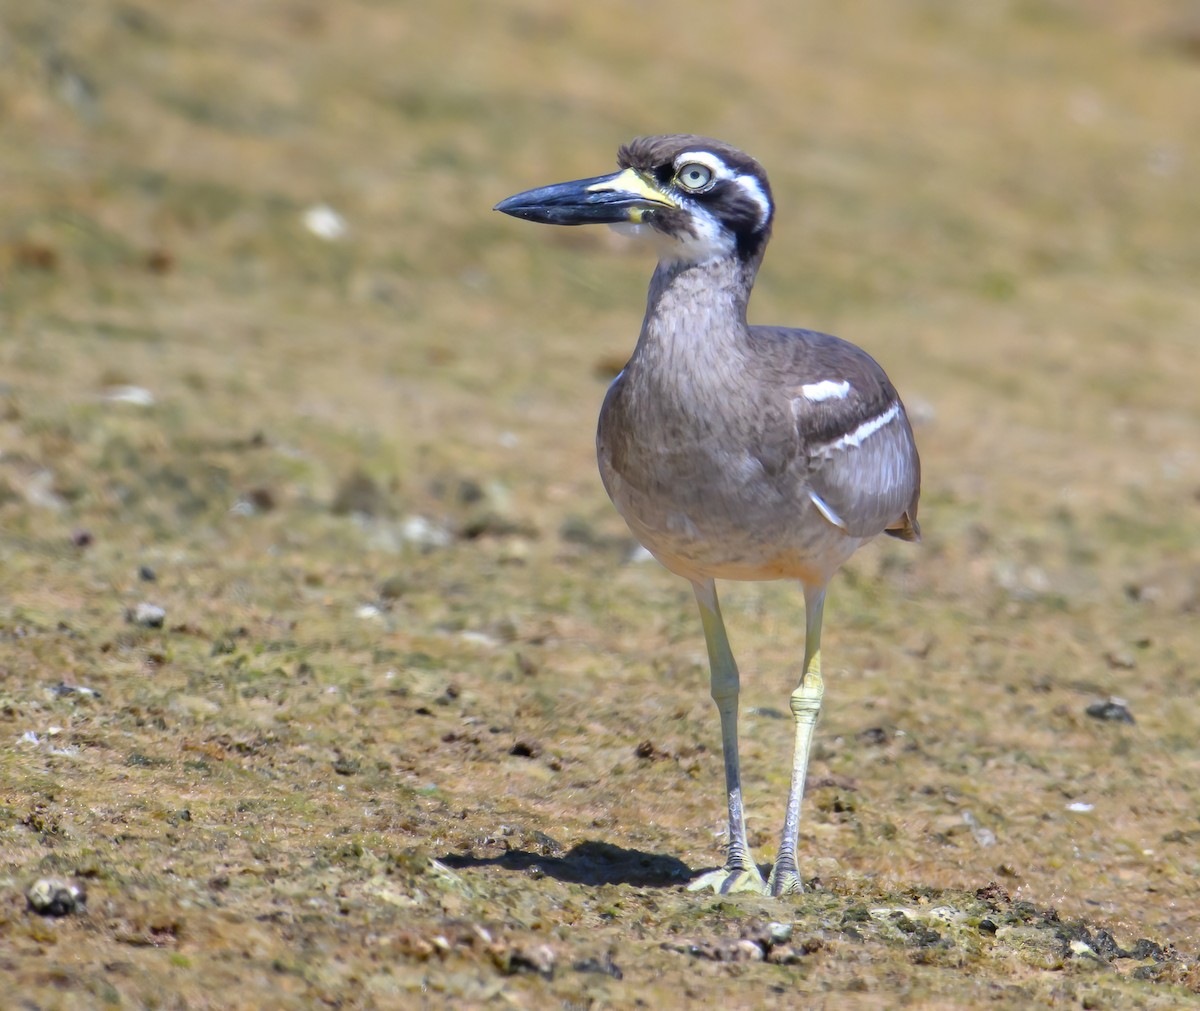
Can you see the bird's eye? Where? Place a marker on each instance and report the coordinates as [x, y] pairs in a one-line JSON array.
[[694, 176]]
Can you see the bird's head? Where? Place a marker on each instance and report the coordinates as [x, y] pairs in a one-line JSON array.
[[700, 199]]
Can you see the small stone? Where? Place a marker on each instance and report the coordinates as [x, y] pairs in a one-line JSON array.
[[254, 502], [780, 933], [1112, 708], [325, 223], [345, 766], [539, 958], [1106, 946], [490, 523], [746, 950], [425, 533], [874, 736], [525, 749], [56, 897], [605, 966], [147, 615], [1143, 949], [139, 396], [62, 690]]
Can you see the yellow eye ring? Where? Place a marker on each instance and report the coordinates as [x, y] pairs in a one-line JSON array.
[[694, 176]]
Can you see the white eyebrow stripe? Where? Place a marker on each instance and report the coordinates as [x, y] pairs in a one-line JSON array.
[[863, 432], [826, 389], [719, 169], [753, 189]]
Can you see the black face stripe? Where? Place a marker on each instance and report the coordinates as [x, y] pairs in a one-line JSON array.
[[728, 202], [739, 212]]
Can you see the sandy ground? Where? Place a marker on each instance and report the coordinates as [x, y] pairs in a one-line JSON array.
[[328, 672]]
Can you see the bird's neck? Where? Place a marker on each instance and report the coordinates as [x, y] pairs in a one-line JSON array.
[[696, 311]]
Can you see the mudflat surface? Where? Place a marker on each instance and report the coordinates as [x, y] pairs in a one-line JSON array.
[[326, 668]]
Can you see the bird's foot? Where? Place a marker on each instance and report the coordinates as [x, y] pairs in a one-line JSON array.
[[731, 880], [785, 880]]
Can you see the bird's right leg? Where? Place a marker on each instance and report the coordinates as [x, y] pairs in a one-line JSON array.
[[806, 707], [740, 874]]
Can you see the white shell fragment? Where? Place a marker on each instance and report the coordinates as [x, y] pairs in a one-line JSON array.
[[325, 223]]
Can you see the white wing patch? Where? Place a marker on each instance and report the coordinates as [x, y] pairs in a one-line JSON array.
[[825, 510], [826, 389], [858, 436]]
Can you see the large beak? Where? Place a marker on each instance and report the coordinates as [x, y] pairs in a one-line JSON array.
[[606, 200]]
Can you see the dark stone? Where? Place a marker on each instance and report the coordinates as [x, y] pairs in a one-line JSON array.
[[1106, 946], [1143, 949], [525, 749], [604, 966], [1112, 709], [874, 735]]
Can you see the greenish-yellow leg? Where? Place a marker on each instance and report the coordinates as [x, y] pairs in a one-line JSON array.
[[739, 873], [806, 707]]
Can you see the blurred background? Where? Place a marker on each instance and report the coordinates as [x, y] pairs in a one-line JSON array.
[[269, 362]]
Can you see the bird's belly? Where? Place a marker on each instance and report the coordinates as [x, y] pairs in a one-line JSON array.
[[725, 519]]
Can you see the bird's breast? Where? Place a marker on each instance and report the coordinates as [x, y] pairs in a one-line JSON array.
[[708, 492]]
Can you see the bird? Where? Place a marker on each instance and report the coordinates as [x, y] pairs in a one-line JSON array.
[[732, 451]]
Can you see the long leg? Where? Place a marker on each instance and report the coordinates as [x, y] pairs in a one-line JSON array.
[[740, 874], [806, 707]]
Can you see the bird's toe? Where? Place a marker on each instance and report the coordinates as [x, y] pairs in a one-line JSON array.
[[785, 881], [730, 881]]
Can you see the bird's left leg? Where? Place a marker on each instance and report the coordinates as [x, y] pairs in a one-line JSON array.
[[806, 707], [740, 873]]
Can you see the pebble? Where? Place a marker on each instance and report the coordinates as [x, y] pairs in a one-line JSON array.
[[139, 396], [147, 615], [780, 933], [62, 690], [1112, 708], [325, 223], [418, 530], [56, 897]]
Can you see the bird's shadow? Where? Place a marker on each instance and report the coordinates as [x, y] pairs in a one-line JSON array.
[[590, 863]]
